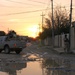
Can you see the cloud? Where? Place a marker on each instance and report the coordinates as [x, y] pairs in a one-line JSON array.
[[13, 20]]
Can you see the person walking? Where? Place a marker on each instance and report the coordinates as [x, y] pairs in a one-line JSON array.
[[66, 43]]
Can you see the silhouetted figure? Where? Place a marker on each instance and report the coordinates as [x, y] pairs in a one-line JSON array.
[[66, 43]]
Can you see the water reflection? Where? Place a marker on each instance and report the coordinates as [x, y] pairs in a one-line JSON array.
[[34, 65], [58, 66], [12, 68], [20, 66]]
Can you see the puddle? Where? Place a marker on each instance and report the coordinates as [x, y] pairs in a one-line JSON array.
[[33, 68], [28, 68], [34, 65]]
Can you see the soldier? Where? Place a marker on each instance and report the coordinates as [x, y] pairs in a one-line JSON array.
[[66, 43]]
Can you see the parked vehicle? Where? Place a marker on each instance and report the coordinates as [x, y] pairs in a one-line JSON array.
[[11, 44]]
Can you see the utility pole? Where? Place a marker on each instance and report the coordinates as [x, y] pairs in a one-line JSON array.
[[70, 24], [42, 27], [42, 20], [39, 28], [58, 31], [52, 24]]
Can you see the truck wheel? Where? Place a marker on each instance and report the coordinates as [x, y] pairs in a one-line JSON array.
[[0, 51], [18, 51], [7, 50]]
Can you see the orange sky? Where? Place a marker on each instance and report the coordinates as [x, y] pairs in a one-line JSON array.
[[24, 16]]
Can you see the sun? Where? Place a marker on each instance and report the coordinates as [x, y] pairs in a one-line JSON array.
[[33, 30]]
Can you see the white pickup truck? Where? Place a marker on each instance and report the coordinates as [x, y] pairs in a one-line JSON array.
[[13, 44]]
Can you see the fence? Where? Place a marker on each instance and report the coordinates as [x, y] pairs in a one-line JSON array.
[[59, 40]]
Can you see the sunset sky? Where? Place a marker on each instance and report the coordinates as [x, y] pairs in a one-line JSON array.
[[24, 16]]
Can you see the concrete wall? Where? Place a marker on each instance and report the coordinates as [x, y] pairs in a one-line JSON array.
[[59, 40], [48, 41], [72, 38]]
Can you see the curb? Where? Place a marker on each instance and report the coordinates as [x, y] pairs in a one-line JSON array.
[[61, 51]]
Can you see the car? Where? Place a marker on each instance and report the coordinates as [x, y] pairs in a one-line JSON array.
[[11, 44]]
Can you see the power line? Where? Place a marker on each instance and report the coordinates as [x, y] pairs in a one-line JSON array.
[[30, 17], [18, 2], [22, 12], [47, 8], [7, 6], [26, 12], [21, 3], [38, 2]]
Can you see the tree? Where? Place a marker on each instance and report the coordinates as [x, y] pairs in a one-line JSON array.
[[61, 23], [46, 33], [61, 20], [2, 33]]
